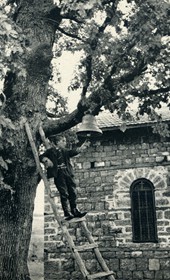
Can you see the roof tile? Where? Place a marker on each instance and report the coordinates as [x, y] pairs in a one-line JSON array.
[[110, 120]]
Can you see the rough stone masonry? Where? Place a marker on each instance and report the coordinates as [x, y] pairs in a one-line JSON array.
[[104, 175]]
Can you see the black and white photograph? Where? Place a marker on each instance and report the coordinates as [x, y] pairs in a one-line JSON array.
[[84, 140]]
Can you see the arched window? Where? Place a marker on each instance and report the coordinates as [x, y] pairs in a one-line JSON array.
[[143, 211]]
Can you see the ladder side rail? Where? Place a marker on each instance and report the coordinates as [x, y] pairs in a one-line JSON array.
[[43, 138], [51, 200], [41, 172], [46, 183], [96, 250], [75, 253]]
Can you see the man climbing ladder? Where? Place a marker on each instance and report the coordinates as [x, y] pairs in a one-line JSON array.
[[57, 161], [63, 224]]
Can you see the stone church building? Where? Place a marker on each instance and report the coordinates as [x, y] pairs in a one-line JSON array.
[[124, 183]]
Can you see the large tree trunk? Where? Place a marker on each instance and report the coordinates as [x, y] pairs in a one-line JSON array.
[[26, 99], [16, 212], [17, 205]]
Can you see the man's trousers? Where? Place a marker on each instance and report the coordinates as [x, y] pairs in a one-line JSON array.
[[67, 189]]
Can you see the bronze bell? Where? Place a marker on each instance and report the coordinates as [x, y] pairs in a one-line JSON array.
[[89, 127]]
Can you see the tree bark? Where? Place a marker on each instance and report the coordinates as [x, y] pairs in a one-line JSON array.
[[16, 212], [26, 99]]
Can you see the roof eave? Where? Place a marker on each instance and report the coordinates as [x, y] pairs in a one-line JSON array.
[[131, 126]]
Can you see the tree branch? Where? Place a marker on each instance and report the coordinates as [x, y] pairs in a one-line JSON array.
[[129, 77], [69, 34], [93, 46], [106, 2], [88, 64], [51, 127], [50, 115], [110, 84], [150, 92], [72, 17], [56, 126]]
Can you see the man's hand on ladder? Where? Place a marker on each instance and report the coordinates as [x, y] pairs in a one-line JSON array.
[[47, 162]]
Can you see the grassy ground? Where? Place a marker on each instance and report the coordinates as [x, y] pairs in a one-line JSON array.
[[36, 270]]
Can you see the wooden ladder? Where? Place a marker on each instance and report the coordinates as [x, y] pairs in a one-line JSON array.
[[64, 224], [91, 245]]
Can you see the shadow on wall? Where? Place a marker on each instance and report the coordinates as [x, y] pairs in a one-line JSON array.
[[36, 250]]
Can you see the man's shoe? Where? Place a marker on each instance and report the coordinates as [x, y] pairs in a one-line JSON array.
[[68, 216], [77, 214]]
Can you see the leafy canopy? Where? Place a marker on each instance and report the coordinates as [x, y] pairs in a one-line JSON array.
[[124, 48], [125, 51]]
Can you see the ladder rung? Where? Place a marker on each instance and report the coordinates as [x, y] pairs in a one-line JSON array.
[[48, 213], [76, 220], [86, 247], [99, 274]]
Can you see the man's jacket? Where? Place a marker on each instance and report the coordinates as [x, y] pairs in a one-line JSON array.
[[59, 157]]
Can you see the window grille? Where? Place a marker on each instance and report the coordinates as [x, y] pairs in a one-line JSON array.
[[144, 226]]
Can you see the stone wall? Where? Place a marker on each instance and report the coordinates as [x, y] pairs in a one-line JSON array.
[[104, 175]]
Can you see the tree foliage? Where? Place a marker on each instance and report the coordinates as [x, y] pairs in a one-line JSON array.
[[124, 55], [124, 48]]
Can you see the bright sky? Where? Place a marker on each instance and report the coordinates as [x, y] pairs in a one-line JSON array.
[[39, 200], [66, 65]]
